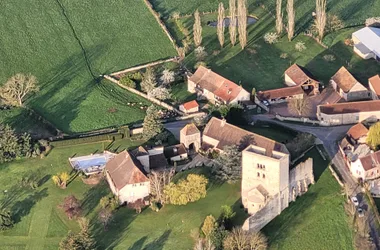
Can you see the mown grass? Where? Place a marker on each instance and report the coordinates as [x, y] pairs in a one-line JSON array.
[[316, 220], [68, 53]]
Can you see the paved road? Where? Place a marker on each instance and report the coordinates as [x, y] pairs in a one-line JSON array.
[[329, 136]]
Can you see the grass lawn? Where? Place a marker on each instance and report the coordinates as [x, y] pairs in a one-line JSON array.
[[68, 45], [180, 93], [316, 220]]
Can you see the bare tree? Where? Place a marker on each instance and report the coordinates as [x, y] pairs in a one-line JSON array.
[[197, 29], [242, 22], [105, 216], [220, 28], [240, 239], [291, 18], [320, 18], [158, 180], [279, 24], [233, 22], [299, 106], [17, 88], [167, 76]]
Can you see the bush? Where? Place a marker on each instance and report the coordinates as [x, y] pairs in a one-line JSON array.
[[333, 23], [271, 37], [136, 76], [128, 82], [284, 55], [329, 58], [300, 46], [200, 53], [198, 64]]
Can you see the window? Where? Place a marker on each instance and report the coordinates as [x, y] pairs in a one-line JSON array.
[[258, 165], [134, 185], [263, 176], [141, 184], [263, 167], [258, 174]]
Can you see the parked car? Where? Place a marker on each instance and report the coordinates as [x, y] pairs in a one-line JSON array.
[[355, 201], [360, 212], [266, 103]]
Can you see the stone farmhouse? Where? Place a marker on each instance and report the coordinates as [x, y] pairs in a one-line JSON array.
[[300, 82], [215, 88], [374, 86], [348, 87], [367, 43], [267, 184], [348, 112]]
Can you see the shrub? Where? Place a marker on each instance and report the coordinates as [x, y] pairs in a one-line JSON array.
[[329, 58], [373, 21], [271, 37], [110, 202], [176, 15], [300, 46], [209, 225], [6, 221], [154, 206], [61, 179], [284, 55], [200, 53], [136, 76], [71, 206], [333, 23], [128, 82], [198, 64], [349, 42]]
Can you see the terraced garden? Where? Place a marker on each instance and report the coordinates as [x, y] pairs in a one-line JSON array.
[[68, 45]]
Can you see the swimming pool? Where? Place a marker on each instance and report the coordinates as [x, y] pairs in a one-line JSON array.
[[91, 164]]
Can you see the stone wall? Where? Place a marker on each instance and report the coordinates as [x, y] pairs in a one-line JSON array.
[[300, 178]]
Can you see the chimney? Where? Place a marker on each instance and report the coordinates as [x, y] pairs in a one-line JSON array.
[[223, 122]]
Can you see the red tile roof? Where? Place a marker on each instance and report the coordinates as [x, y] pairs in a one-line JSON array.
[[190, 105], [124, 170], [221, 87], [370, 161], [375, 83], [344, 79], [350, 107], [280, 93], [299, 75], [227, 134], [357, 131]]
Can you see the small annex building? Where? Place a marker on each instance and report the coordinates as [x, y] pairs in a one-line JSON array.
[[215, 88], [346, 85], [296, 75], [189, 107], [367, 43], [127, 178], [374, 86]]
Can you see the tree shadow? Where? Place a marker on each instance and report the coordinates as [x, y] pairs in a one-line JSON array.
[[138, 244], [159, 243], [44, 179], [23, 207], [93, 196]]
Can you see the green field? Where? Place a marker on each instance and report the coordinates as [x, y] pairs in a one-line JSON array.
[[67, 45], [317, 220]]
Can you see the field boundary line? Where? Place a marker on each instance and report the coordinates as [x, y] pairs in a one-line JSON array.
[[161, 23]]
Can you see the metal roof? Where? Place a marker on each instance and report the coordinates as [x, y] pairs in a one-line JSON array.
[[369, 37]]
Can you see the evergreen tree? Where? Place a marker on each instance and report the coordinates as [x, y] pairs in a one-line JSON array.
[[228, 164], [152, 125], [12, 146], [80, 241]]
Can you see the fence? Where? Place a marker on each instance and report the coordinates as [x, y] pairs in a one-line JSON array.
[[154, 100]]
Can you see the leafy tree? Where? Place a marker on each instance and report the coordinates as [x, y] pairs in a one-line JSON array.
[[128, 82], [167, 76], [152, 125], [110, 202], [187, 190], [61, 179], [17, 88], [209, 225], [300, 143], [71, 206], [373, 138], [148, 81], [105, 217], [6, 221], [217, 237], [239, 239], [80, 241], [13, 146], [160, 93], [226, 216], [228, 164]]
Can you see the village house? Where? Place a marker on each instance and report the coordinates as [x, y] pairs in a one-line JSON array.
[[215, 88], [267, 183], [367, 43], [374, 86], [189, 107], [348, 87], [300, 82], [366, 167], [127, 178], [348, 112]]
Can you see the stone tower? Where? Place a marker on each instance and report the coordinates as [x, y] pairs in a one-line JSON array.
[[190, 136]]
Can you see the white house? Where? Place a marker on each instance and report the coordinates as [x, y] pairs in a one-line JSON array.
[[215, 88], [348, 87], [367, 43], [126, 178], [367, 167]]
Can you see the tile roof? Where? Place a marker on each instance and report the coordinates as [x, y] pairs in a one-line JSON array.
[[357, 131], [350, 107], [140, 151], [344, 79], [174, 150], [280, 93], [370, 161], [124, 170], [227, 134], [299, 75], [190, 129], [217, 84], [190, 105], [375, 83]]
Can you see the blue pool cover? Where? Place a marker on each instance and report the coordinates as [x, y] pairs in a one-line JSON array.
[[86, 163]]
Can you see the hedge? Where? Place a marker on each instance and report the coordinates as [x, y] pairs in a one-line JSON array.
[[96, 138]]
